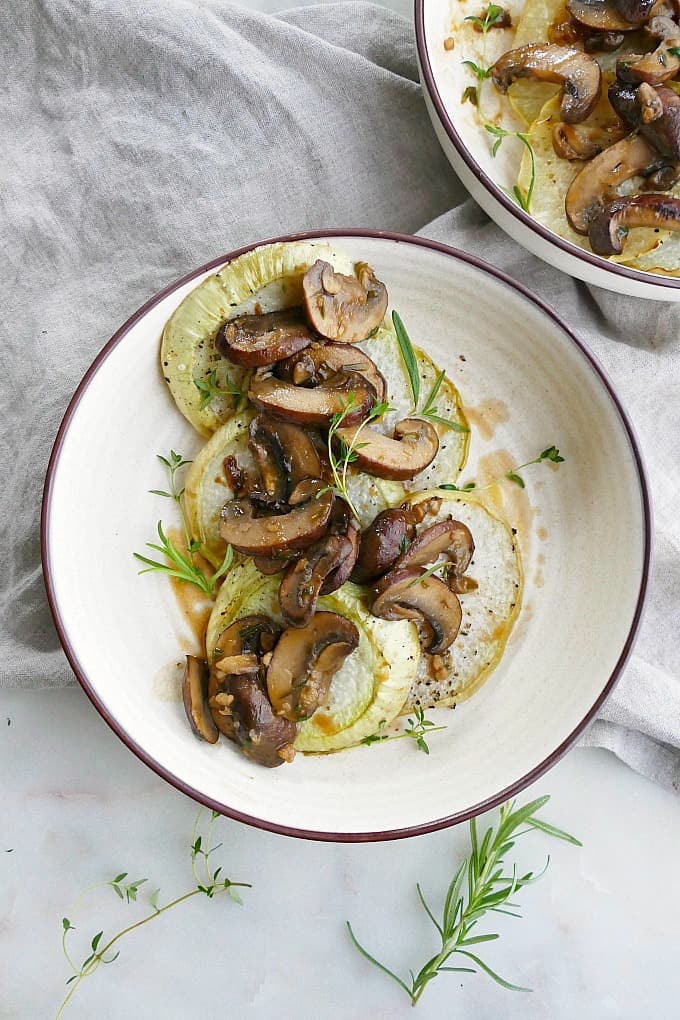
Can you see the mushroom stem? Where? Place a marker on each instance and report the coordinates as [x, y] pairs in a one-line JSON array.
[[578, 73], [609, 229], [659, 65]]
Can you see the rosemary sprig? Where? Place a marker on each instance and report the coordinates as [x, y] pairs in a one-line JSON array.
[[181, 566], [482, 884], [409, 356], [347, 452], [417, 729], [551, 454], [212, 885], [429, 410], [493, 14], [209, 389]]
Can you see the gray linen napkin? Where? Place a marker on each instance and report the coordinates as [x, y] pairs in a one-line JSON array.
[[141, 140]]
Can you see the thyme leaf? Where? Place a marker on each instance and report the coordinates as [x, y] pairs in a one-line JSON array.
[[178, 564]]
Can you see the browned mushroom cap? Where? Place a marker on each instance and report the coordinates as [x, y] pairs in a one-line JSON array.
[[570, 143], [284, 454], [279, 533], [254, 340], [319, 362], [305, 661], [195, 697], [251, 635], [659, 65], [315, 406], [662, 132], [591, 187], [609, 229], [635, 11], [601, 15], [300, 588], [449, 537], [343, 307], [412, 594], [414, 445], [578, 73], [382, 542], [238, 641], [238, 699]]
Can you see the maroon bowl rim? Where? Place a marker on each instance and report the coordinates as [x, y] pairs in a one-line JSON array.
[[496, 192], [224, 809]]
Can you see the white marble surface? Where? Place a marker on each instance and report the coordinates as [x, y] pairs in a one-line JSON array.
[[600, 937]]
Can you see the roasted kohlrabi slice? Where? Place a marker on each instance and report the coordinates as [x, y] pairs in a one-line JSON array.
[[489, 609], [372, 683], [371, 495], [208, 487]]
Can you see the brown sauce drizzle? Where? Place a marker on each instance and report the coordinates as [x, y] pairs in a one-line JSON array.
[[195, 606], [487, 416]]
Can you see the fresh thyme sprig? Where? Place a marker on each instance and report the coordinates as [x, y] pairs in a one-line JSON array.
[[209, 389], [181, 566], [417, 729], [551, 454], [494, 14], [429, 410], [500, 134], [212, 885], [482, 884], [347, 452]]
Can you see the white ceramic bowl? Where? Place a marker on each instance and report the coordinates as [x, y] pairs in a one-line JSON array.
[[584, 531], [488, 179]]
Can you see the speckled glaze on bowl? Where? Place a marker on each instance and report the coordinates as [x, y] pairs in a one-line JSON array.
[[584, 530], [467, 149]]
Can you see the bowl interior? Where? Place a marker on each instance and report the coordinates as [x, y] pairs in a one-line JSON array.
[[443, 18], [582, 531], [491, 178]]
